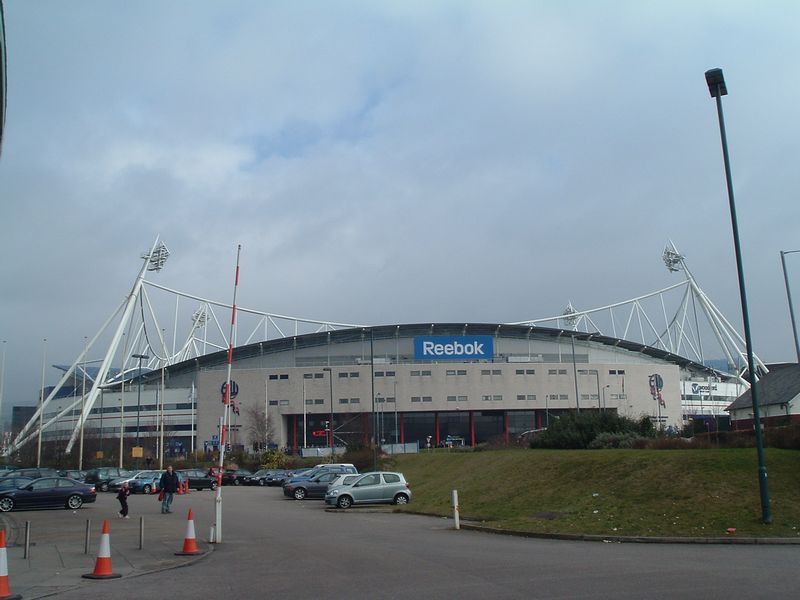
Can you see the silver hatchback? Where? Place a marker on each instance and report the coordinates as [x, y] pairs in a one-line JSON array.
[[380, 487]]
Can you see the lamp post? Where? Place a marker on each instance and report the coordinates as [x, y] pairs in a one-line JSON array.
[[718, 89], [605, 387], [596, 374], [330, 423], [789, 298], [41, 407], [396, 430], [141, 357]]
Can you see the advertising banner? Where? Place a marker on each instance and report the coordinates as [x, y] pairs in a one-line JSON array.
[[453, 347]]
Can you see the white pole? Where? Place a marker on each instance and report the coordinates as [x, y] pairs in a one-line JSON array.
[[121, 406], [305, 423], [161, 424], [2, 387], [192, 400], [41, 407], [83, 401], [455, 510], [266, 414]]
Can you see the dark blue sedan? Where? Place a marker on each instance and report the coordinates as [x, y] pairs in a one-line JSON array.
[[48, 492]]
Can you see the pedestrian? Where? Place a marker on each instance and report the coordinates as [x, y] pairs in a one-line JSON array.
[[169, 485], [122, 496]]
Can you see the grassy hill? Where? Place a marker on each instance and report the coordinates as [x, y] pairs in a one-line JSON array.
[[699, 493]]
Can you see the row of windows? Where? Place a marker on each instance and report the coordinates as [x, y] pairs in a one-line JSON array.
[[449, 373], [382, 373], [485, 398], [557, 371]]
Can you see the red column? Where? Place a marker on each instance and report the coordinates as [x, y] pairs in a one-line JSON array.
[[472, 427], [436, 428]]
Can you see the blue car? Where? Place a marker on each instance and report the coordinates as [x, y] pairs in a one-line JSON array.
[[144, 482]]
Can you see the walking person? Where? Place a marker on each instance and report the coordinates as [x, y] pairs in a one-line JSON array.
[[122, 496], [169, 485]]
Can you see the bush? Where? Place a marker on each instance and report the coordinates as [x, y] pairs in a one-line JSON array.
[[616, 440], [579, 430]]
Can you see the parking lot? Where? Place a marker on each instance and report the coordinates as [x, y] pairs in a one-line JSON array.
[[278, 546]]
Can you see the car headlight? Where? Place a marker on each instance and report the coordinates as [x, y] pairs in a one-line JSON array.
[[333, 492]]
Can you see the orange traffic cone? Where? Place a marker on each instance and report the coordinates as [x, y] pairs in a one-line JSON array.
[[5, 593], [102, 566], [180, 488], [186, 486], [189, 543]]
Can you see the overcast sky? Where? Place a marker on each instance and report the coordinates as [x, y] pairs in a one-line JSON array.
[[390, 162]]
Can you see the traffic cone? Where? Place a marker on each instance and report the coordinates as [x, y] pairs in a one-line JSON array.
[[180, 488], [5, 593], [102, 566], [186, 486], [189, 543]]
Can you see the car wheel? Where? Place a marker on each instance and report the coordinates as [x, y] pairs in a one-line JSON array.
[[6, 504], [261, 482], [74, 502], [236, 482], [146, 489], [299, 494], [213, 486], [344, 502], [104, 487], [401, 499]]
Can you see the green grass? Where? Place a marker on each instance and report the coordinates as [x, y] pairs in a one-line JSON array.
[[698, 493]]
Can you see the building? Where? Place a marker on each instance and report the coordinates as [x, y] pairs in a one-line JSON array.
[[778, 399]]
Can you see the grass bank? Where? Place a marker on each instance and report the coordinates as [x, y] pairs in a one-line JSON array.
[[699, 493]]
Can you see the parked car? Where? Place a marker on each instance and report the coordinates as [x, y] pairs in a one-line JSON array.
[[344, 479], [310, 488], [76, 475], [12, 483], [47, 492], [371, 488], [198, 479], [103, 476], [36, 473], [235, 476], [276, 477], [337, 468], [257, 478], [142, 482]]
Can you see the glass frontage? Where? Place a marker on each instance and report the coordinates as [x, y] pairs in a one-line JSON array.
[[488, 425], [454, 429], [418, 426]]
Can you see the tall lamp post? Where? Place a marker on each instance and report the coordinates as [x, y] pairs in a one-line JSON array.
[[605, 387], [330, 423], [141, 357], [718, 89], [789, 298]]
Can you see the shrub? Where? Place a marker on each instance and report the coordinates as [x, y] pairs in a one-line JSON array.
[[615, 440], [578, 430]]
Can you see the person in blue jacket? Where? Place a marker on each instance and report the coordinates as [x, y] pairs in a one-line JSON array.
[[169, 485]]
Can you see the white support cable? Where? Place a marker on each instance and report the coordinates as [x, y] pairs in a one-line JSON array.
[[667, 331]]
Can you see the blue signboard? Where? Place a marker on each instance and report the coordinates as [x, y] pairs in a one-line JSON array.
[[453, 347]]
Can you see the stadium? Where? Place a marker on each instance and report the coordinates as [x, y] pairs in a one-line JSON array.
[[327, 386]]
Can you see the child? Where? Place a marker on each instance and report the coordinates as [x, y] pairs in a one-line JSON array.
[[122, 496]]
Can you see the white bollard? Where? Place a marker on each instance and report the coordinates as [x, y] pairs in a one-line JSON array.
[[455, 509], [212, 535]]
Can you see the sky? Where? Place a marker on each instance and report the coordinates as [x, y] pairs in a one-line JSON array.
[[390, 162]]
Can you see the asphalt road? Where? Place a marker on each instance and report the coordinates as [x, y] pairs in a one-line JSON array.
[[276, 547]]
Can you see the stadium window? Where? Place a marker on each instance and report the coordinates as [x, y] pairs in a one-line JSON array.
[[425, 373], [497, 372], [461, 372], [273, 403], [497, 398], [415, 399], [584, 396], [319, 400], [563, 397], [452, 398], [486, 397], [273, 378], [390, 373], [615, 396], [283, 376], [552, 372], [620, 371], [319, 375], [520, 396], [591, 371], [414, 373], [309, 401], [485, 372], [623, 396], [450, 372], [344, 400], [462, 398], [308, 375], [583, 372], [562, 371], [378, 373], [342, 375], [520, 372], [389, 399], [354, 374], [427, 399], [284, 403], [530, 371], [612, 371], [531, 396], [355, 400]]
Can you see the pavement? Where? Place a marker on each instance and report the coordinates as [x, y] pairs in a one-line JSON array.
[[57, 559]]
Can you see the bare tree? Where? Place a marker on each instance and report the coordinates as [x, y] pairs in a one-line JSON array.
[[258, 430]]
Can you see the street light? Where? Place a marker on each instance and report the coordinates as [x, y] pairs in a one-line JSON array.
[[718, 89], [330, 425], [789, 298], [141, 357], [605, 387]]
